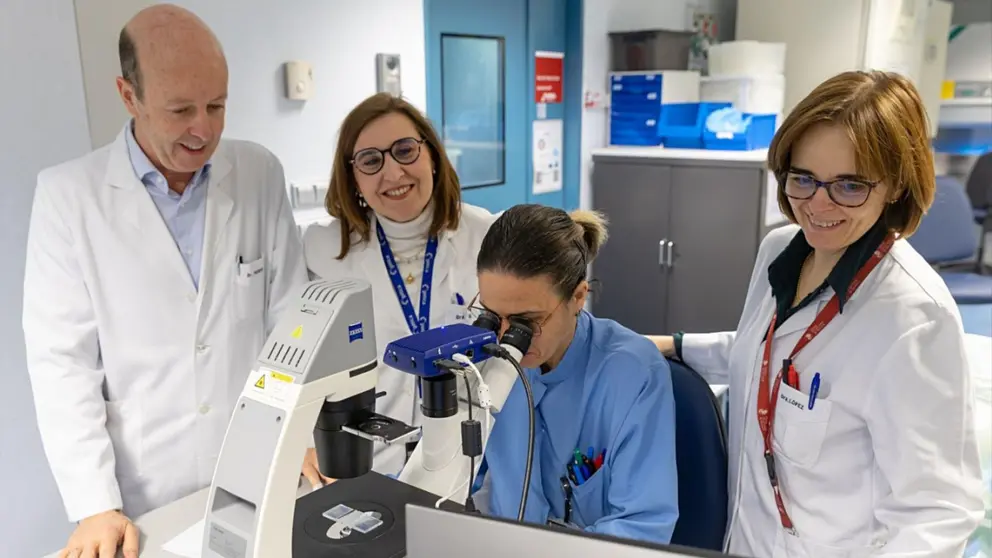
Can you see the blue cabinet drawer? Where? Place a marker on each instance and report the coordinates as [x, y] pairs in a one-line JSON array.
[[635, 83]]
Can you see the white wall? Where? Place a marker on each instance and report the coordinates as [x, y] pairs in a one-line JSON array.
[[43, 118], [99, 25], [969, 55], [338, 38], [604, 16]]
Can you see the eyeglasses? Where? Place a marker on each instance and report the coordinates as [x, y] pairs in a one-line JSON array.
[[848, 192], [404, 151], [535, 325]]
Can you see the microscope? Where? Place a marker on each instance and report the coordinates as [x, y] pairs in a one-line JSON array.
[[315, 380]]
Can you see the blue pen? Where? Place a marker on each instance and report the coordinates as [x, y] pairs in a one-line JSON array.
[[578, 474], [813, 389]]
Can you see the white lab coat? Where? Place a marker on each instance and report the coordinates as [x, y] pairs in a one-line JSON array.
[[134, 372], [886, 462], [454, 274]]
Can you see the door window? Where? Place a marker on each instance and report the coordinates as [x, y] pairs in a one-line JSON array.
[[473, 107]]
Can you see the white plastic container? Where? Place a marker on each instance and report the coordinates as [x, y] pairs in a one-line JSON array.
[[737, 58], [753, 94]]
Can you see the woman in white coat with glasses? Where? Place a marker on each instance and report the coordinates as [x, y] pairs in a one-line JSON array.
[[401, 225], [851, 429]]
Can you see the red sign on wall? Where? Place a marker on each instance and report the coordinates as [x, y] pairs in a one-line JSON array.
[[549, 72]]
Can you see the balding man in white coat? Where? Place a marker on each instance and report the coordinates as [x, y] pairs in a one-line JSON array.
[[156, 267]]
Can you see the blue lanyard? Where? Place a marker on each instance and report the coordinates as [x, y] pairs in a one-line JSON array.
[[416, 323]]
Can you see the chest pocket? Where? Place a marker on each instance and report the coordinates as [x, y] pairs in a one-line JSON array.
[[250, 289], [589, 499], [799, 430]]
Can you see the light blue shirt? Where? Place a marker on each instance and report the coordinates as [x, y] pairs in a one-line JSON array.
[[612, 391], [185, 214]]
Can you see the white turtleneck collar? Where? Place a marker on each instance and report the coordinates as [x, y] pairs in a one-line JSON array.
[[412, 230]]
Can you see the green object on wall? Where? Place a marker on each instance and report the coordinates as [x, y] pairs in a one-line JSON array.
[[955, 31]]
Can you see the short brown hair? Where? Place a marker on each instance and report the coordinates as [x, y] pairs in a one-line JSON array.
[[342, 196], [886, 121]]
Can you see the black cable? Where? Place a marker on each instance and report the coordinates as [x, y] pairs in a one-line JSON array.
[[502, 353], [471, 429], [469, 503]]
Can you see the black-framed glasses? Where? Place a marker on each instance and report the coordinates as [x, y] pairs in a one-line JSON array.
[[847, 192], [504, 322], [404, 151]]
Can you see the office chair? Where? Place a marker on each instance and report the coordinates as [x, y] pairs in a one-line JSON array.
[[701, 457], [979, 188], [946, 236]]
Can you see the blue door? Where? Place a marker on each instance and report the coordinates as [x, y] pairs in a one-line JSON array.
[[476, 95]]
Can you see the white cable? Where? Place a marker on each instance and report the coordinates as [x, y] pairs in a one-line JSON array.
[[484, 397], [448, 497]]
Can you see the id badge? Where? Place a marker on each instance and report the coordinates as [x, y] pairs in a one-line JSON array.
[[459, 310]]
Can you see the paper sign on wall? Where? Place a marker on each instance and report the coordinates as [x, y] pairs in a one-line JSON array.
[[547, 156], [549, 72]]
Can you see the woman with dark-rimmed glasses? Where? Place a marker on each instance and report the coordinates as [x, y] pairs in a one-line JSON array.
[[400, 224], [851, 429]]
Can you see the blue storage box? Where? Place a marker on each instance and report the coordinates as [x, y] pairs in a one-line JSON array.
[[635, 83], [758, 135], [682, 123], [965, 140], [633, 129]]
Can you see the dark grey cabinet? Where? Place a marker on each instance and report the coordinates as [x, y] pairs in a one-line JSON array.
[[684, 234]]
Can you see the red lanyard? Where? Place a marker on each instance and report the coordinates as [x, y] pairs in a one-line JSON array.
[[767, 403]]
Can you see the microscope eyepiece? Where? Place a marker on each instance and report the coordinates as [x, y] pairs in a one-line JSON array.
[[487, 320], [518, 335]]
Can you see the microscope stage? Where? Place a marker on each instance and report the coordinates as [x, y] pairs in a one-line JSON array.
[[364, 517]]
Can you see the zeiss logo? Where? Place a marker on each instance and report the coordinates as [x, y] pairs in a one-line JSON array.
[[354, 332]]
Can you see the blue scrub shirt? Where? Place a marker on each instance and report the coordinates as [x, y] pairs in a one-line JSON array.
[[613, 391]]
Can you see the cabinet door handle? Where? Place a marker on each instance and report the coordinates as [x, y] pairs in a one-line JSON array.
[[671, 249], [662, 244]]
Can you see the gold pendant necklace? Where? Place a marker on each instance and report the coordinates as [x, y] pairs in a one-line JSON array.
[[410, 279]]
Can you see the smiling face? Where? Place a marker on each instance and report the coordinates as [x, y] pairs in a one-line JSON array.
[[179, 116], [536, 301], [399, 190], [826, 153]]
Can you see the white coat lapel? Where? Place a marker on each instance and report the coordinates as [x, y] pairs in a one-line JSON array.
[[444, 261], [220, 206], [141, 216], [799, 321], [370, 255]]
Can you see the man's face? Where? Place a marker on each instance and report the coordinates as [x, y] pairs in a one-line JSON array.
[[180, 117]]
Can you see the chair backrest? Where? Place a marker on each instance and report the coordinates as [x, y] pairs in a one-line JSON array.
[[701, 456], [980, 182], [947, 233]]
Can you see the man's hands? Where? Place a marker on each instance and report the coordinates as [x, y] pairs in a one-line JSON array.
[[99, 536], [312, 472]]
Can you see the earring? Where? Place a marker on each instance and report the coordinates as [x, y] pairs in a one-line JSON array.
[[361, 201]]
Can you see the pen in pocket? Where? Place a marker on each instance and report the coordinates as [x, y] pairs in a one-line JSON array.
[[814, 389]]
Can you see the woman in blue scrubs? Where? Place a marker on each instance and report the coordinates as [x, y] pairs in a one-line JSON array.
[[604, 450]]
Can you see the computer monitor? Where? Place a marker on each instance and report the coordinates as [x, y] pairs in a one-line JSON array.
[[433, 533]]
